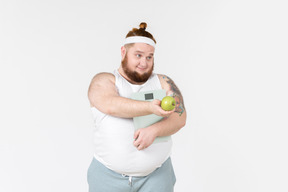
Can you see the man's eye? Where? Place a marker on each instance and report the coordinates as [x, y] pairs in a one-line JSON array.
[[138, 55], [149, 57]]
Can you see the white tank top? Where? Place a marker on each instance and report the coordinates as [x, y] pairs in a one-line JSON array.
[[113, 137]]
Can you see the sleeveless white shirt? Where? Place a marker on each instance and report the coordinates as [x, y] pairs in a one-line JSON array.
[[113, 137]]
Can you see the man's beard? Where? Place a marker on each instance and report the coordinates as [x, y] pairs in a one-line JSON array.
[[133, 75]]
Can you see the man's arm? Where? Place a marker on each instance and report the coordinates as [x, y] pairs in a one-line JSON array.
[[103, 95], [177, 120], [168, 126]]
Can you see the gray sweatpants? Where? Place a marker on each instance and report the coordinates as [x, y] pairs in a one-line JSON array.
[[102, 179]]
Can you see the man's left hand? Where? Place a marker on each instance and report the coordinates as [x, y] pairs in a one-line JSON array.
[[144, 137]]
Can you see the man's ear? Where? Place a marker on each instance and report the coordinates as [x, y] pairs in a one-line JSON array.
[[123, 52]]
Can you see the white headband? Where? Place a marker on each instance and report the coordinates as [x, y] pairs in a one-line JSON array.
[[139, 39]]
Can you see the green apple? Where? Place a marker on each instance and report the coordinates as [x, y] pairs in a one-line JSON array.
[[168, 103]]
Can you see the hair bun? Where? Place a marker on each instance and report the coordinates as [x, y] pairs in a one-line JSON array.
[[143, 25]]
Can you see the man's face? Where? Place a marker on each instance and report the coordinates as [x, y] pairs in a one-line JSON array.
[[138, 62]]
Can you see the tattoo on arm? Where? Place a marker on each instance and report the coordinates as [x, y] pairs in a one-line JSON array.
[[176, 94]]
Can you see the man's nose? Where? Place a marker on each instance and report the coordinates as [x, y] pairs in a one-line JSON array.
[[143, 62]]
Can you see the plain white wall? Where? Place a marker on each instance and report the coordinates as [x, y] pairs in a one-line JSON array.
[[229, 59]]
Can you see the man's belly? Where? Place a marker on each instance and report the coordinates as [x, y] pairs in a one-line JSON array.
[[114, 148]]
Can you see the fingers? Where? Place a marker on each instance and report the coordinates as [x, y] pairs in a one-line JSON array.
[[138, 142], [167, 113], [157, 110], [141, 147], [144, 137], [136, 134]]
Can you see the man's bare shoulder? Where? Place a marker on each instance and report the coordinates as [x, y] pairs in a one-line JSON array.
[[103, 77], [103, 81], [163, 77], [165, 81]]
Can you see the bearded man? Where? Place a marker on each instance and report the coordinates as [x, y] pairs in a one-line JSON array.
[[127, 160]]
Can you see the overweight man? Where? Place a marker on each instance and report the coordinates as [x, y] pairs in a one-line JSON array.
[[126, 160]]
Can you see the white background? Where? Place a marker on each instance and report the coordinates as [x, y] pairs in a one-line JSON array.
[[229, 59]]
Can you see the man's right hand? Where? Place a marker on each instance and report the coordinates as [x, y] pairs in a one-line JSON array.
[[157, 110]]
